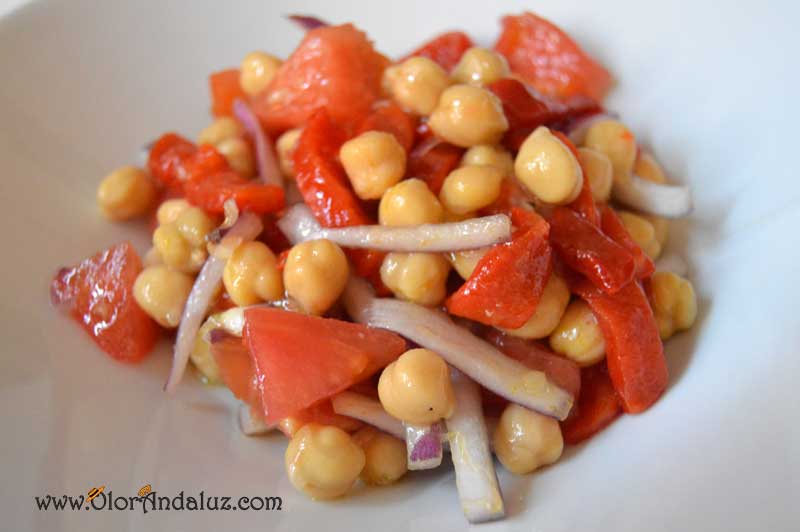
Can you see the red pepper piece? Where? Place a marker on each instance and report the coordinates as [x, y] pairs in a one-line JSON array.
[[615, 229], [584, 203], [434, 165], [446, 49], [212, 191], [584, 248], [508, 281], [272, 236], [389, 117], [511, 197], [168, 157], [225, 89], [596, 408], [634, 351]]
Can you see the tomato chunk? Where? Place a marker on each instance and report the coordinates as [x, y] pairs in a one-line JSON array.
[[390, 118], [616, 231], [236, 369], [508, 281], [596, 408], [225, 89], [98, 294], [212, 191], [336, 68], [547, 58], [634, 351], [445, 49], [302, 359], [584, 248]]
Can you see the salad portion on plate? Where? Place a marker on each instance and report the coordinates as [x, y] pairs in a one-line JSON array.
[[400, 263]]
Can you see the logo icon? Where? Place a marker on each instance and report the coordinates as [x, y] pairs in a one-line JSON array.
[[94, 492], [144, 490]]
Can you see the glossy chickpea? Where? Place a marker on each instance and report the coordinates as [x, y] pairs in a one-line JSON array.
[[201, 355], [386, 456], [152, 258], [416, 387], [323, 461], [597, 169], [487, 155], [642, 232], [548, 168], [256, 71], [239, 156], [410, 202], [126, 193], [285, 147], [416, 84], [525, 440], [162, 294], [417, 277], [464, 262], [480, 66], [170, 209], [616, 141], [551, 307], [251, 275], [578, 335], [181, 243], [374, 161], [648, 168], [221, 129], [194, 225], [468, 116], [674, 303], [469, 188], [315, 274]]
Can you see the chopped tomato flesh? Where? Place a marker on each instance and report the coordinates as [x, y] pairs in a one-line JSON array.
[[236, 369]]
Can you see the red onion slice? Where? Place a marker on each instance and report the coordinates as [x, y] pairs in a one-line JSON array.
[[424, 445], [299, 224], [367, 410], [250, 424], [476, 478], [424, 147], [246, 228], [268, 168], [307, 22], [669, 201]]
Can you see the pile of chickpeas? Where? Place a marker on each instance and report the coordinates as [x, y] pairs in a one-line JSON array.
[[325, 461]]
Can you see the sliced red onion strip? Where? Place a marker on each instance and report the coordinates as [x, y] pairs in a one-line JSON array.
[[299, 224], [669, 201], [246, 228], [425, 146], [268, 168], [476, 478], [368, 410], [424, 445], [307, 22], [250, 424], [434, 330], [672, 263]]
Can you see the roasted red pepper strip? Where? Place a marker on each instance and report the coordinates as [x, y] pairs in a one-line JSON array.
[[446, 49], [584, 248], [389, 117], [508, 281], [596, 408], [168, 158], [584, 203], [434, 165], [615, 229], [212, 191], [225, 88], [634, 351]]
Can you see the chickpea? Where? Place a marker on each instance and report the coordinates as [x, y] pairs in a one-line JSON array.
[[416, 387], [417, 277], [470, 188], [468, 116], [525, 440], [152, 258], [201, 355], [169, 210], [416, 84], [237, 152], [648, 168], [285, 147], [548, 168], [251, 275], [597, 169], [256, 71], [126, 193], [323, 462], [221, 129], [175, 251], [374, 161], [616, 141], [410, 202], [194, 225], [480, 66], [578, 335], [451, 217], [315, 274], [486, 155], [386, 456], [674, 303], [162, 294], [548, 313], [642, 232], [464, 262]]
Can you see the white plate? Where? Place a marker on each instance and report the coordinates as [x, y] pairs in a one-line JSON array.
[[713, 89]]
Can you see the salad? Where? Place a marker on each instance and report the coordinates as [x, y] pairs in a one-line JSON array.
[[398, 263]]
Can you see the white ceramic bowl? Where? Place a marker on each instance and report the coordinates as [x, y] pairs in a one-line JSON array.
[[711, 88]]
